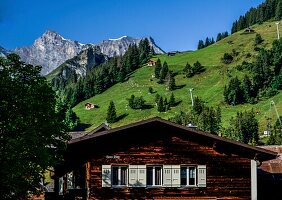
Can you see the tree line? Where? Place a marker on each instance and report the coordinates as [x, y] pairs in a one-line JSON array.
[[270, 9], [209, 41]]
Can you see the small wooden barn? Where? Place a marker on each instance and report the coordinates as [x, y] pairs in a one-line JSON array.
[[152, 63], [158, 159]]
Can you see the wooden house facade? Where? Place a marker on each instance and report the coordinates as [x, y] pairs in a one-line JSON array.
[[157, 159]]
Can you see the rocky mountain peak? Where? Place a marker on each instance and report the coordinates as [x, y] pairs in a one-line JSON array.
[[50, 50], [116, 47]]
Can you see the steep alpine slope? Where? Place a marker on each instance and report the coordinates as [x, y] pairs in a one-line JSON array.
[[208, 86]]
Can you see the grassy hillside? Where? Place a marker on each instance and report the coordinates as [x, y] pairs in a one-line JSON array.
[[208, 86]]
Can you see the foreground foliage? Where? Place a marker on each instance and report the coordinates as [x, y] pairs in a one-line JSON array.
[[32, 132]]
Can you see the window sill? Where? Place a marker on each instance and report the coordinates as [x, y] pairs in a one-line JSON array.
[[119, 186], [188, 186], [154, 186]]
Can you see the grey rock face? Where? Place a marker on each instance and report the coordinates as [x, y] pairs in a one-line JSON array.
[[79, 65], [49, 51], [116, 47], [3, 52]]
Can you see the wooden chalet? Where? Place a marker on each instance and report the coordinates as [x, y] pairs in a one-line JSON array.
[[89, 106], [172, 53], [248, 30], [158, 159], [152, 63]]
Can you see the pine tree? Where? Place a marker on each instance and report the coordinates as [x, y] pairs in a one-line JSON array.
[[121, 74], [233, 93], [212, 41], [219, 37], [144, 49], [158, 68], [198, 68], [161, 106], [135, 57], [166, 105], [201, 44], [163, 72], [131, 101], [171, 82], [247, 88], [278, 11], [157, 98], [111, 114], [258, 39], [198, 106], [171, 100], [234, 27], [208, 42], [188, 71], [225, 34]]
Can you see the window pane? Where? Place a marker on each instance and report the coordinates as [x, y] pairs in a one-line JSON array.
[[115, 176], [149, 175], [183, 176], [192, 172], [158, 175], [123, 175]]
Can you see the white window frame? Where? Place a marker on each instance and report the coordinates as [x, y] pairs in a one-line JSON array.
[[153, 176], [188, 175], [119, 175]]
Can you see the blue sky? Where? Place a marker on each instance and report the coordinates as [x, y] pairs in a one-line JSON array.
[[174, 24]]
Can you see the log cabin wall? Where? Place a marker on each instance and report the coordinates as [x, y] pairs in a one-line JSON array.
[[228, 176]]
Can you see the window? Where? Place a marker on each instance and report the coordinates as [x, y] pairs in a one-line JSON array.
[[119, 176], [188, 176], [154, 176]]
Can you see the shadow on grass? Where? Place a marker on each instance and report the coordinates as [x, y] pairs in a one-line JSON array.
[[177, 103], [81, 127], [180, 86], [147, 107], [122, 116]]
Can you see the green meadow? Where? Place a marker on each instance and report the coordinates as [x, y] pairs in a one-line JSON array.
[[208, 85]]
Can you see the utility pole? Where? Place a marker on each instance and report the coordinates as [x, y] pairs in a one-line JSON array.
[[277, 114], [192, 100], [278, 34]]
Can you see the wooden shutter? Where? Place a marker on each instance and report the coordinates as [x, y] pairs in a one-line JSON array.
[[106, 176], [175, 176], [202, 176], [141, 176], [167, 175], [133, 175]]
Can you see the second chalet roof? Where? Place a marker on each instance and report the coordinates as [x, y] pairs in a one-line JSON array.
[[217, 142]]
